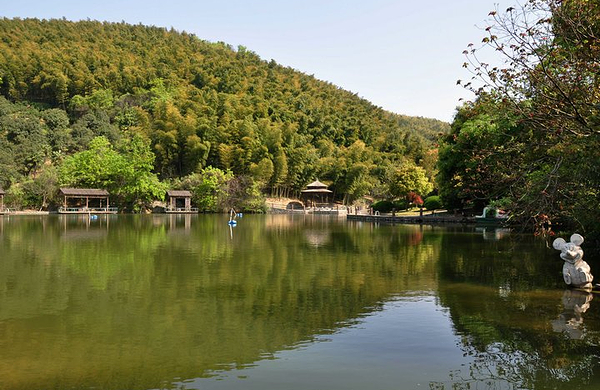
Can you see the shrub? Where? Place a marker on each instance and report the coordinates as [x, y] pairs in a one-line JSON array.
[[383, 206], [401, 204], [433, 203], [15, 197]]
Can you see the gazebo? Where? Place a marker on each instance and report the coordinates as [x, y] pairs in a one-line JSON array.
[[179, 201], [1, 199], [316, 193], [85, 200]]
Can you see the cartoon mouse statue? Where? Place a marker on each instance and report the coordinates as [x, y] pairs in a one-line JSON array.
[[576, 272]]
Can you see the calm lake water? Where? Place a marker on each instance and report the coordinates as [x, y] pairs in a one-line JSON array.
[[286, 302]]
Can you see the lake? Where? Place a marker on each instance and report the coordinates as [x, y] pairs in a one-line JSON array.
[[286, 302]]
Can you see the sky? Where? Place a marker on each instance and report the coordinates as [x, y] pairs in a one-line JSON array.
[[402, 55]]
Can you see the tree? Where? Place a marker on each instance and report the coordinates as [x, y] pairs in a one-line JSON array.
[[243, 194], [200, 104], [550, 80], [485, 155], [127, 173], [208, 187], [407, 178], [43, 188]]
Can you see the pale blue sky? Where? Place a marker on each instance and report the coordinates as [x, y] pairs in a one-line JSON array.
[[402, 55]]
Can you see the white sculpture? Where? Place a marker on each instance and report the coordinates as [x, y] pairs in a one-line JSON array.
[[576, 272]]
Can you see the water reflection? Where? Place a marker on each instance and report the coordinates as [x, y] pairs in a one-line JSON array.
[[570, 321], [493, 233], [137, 301], [143, 302], [522, 339]]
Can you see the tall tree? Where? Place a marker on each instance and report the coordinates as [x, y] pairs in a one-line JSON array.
[[551, 80]]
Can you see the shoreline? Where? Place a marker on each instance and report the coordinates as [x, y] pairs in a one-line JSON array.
[[413, 219]]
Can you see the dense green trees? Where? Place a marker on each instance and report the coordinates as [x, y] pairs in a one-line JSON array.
[[126, 173], [532, 137], [198, 104]]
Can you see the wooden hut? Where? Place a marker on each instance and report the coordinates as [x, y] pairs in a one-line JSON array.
[[179, 201], [316, 193], [85, 200]]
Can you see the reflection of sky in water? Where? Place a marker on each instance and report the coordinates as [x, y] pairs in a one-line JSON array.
[[406, 345]]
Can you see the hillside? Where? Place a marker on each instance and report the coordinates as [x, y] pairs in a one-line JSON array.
[[197, 103]]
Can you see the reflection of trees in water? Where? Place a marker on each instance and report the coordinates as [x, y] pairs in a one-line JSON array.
[[511, 340], [512, 263], [503, 367], [140, 303], [506, 301]]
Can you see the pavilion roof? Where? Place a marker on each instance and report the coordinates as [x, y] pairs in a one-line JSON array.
[[316, 184], [179, 194], [83, 192], [316, 191]]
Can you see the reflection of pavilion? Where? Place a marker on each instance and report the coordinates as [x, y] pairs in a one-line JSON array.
[[316, 238], [81, 227], [180, 222]]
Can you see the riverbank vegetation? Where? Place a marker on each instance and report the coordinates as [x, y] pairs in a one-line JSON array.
[[531, 139], [136, 109]]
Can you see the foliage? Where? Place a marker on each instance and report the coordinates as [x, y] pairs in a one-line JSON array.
[[126, 173], [387, 206], [433, 203], [208, 187], [199, 104], [407, 178], [401, 204], [484, 155], [550, 84], [43, 188], [415, 198], [15, 197], [383, 206], [243, 194]]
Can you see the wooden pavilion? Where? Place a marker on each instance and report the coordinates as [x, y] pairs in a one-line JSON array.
[[85, 200], [315, 194], [179, 201], [1, 200]]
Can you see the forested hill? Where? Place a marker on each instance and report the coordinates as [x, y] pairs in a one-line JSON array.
[[197, 104]]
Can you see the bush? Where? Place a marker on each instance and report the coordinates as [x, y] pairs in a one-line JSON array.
[[433, 203], [15, 197], [401, 204], [383, 206]]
